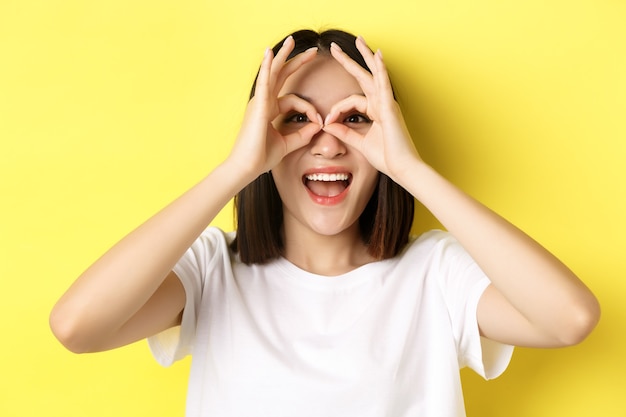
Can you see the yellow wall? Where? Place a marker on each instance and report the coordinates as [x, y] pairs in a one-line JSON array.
[[109, 109]]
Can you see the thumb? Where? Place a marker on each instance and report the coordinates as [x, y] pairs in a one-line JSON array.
[[302, 137]]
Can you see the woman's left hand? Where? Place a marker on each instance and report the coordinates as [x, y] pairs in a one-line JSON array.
[[387, 145]]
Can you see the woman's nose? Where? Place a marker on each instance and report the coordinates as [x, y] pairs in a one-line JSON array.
[[326, 145]]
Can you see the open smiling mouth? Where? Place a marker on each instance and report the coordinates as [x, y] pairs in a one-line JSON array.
[[327, 185]]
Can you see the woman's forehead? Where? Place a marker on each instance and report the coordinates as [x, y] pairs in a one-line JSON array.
[[321, 78]]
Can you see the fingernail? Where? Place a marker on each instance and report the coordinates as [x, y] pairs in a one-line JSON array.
[[267, 51], [287, 39], [334, 45], [313, 48], [320, 120], [380, 53]]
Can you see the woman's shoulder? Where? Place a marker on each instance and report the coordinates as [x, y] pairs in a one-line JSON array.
[[213, 235], [432, 243], [212, 242], [429, 239]]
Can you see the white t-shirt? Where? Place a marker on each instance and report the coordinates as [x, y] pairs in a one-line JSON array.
[[386, 339]]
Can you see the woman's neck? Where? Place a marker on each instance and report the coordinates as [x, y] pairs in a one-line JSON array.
[[326, 255]]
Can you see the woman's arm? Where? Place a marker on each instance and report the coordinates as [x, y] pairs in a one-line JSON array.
[[130, 292], [534, 299]]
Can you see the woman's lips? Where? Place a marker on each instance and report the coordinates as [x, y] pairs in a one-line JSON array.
[[327, 188]]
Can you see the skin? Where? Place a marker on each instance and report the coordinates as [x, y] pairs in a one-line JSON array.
[[330, 227], [130, 292]]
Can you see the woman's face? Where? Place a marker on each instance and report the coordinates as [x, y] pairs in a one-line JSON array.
[[325, 185]]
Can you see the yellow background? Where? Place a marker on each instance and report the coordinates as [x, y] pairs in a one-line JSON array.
[[110, 109]]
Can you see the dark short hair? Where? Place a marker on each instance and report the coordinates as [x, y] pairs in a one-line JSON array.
[[386, 221]]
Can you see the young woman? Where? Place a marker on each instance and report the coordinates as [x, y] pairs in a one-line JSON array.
[[320, 304]]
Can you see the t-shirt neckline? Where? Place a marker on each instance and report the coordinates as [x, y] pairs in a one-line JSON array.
[[365, 273]]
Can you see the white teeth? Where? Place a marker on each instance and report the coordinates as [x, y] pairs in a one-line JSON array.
[[327, 177]]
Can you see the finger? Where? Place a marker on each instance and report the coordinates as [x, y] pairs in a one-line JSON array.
[[348, 105], [342, 132], [366, 53], [297, 61], [285, 49], [301, 137], [376, 64], [281, 57], [293, 65], [381, 78], [262, 81], [363, 77], [291, 102]]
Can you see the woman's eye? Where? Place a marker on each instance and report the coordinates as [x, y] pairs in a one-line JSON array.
[[297, 118], [357, 118]]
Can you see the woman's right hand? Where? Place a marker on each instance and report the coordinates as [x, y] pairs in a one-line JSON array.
[[259, 147]]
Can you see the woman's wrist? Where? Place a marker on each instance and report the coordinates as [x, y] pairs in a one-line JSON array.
[[410, 174], [236, 172]]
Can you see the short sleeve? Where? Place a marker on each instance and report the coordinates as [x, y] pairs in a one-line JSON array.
[[486, 357], [207, 253], [463, 283]]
